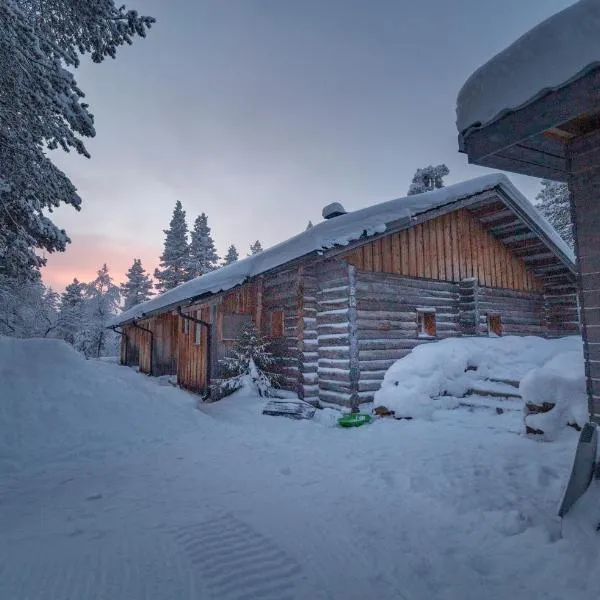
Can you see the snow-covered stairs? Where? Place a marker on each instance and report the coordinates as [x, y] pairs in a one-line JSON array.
[[494, 393]]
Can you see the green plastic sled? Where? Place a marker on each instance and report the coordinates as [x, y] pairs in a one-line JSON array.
[[354, 420]]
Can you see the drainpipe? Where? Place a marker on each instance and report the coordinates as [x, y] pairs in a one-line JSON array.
[[134, 323], [208, 327], [123, 335]]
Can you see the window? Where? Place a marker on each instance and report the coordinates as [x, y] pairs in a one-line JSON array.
[[185, 326], [232, 326], [426, 322], [494, 323], [277, 328], [198, 334]]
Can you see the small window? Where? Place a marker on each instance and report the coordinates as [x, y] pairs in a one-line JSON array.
[[426, 323], [494, 323], [277, 328], [186, 326], [198, 334]]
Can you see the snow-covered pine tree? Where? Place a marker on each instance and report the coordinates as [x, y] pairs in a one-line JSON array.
[[309, 226], [101, 304], [138, 287], [42, 109], [255, 248], [202, 254], [175, 257], [250, 363], [70, 316], [427, 179], [554, 202], [231, 256]]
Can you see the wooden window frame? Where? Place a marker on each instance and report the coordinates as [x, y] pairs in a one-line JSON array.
[[197, 334], [494, 324], [185, 328], [426, 323]]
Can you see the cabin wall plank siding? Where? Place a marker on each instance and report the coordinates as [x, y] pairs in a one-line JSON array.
[[450, 247], [387, 320], [584, 185]]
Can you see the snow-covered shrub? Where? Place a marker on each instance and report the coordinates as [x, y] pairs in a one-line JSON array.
[[413, 385], [555, 394], [250, 365]]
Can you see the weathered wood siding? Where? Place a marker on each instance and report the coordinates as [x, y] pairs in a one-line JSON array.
[[521, 313], [333, 332], [280, 294], [308, 351], [131, 342], [583, 158], [164, 355], [562, 313], [192, 363], [451, 247], [387, 326]]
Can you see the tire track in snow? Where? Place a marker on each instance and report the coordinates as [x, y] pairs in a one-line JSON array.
[[235, 562], [126, 564]]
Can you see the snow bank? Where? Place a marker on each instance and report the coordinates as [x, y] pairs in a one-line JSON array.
[[55, 405], [412, 386], [548, 57], [561, 381], [340, 231]]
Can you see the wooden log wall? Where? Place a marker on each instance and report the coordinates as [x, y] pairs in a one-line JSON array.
[[562, 313], [308, 351], [387, 325], [451, 247], [333, 332], [521, 313]]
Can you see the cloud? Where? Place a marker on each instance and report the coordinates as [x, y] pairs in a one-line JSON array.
[[86, 254]]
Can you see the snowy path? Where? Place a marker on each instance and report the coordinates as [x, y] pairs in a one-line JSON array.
[[137, 495]]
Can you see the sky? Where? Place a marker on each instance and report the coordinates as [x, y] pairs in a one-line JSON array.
[[261, 112]]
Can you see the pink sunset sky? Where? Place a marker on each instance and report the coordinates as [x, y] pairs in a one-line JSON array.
[[259, 113]]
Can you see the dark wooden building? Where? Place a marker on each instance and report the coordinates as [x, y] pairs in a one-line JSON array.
[[355, 293], [535, 109]]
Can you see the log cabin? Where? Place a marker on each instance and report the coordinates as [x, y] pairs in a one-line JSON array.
[[345, 299]]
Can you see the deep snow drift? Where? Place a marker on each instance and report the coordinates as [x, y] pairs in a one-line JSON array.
[[119, 488], [549, 371]]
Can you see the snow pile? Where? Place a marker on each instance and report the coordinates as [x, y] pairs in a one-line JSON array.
[[56, 404], [341, 231], [561, 382], [413, 385], [557, 51]]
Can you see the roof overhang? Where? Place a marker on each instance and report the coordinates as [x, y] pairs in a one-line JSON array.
[[533, 140]]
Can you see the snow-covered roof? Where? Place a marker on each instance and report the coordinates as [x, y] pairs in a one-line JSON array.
[[337, 232], [550, 56]]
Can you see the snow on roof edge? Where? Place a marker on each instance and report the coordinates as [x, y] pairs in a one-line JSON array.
[[337, 232], [556, 52]]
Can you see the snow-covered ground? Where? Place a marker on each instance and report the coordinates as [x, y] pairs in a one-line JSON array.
[[114, 486]]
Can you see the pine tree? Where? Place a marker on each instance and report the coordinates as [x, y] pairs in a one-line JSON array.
[[427, 179], [250, 362], [101, 303], [71, 310], [138, 287], [42, 109], [555, 204], [255, 248], [175, 257], [203, 256], [231, 256], [309, 226]]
